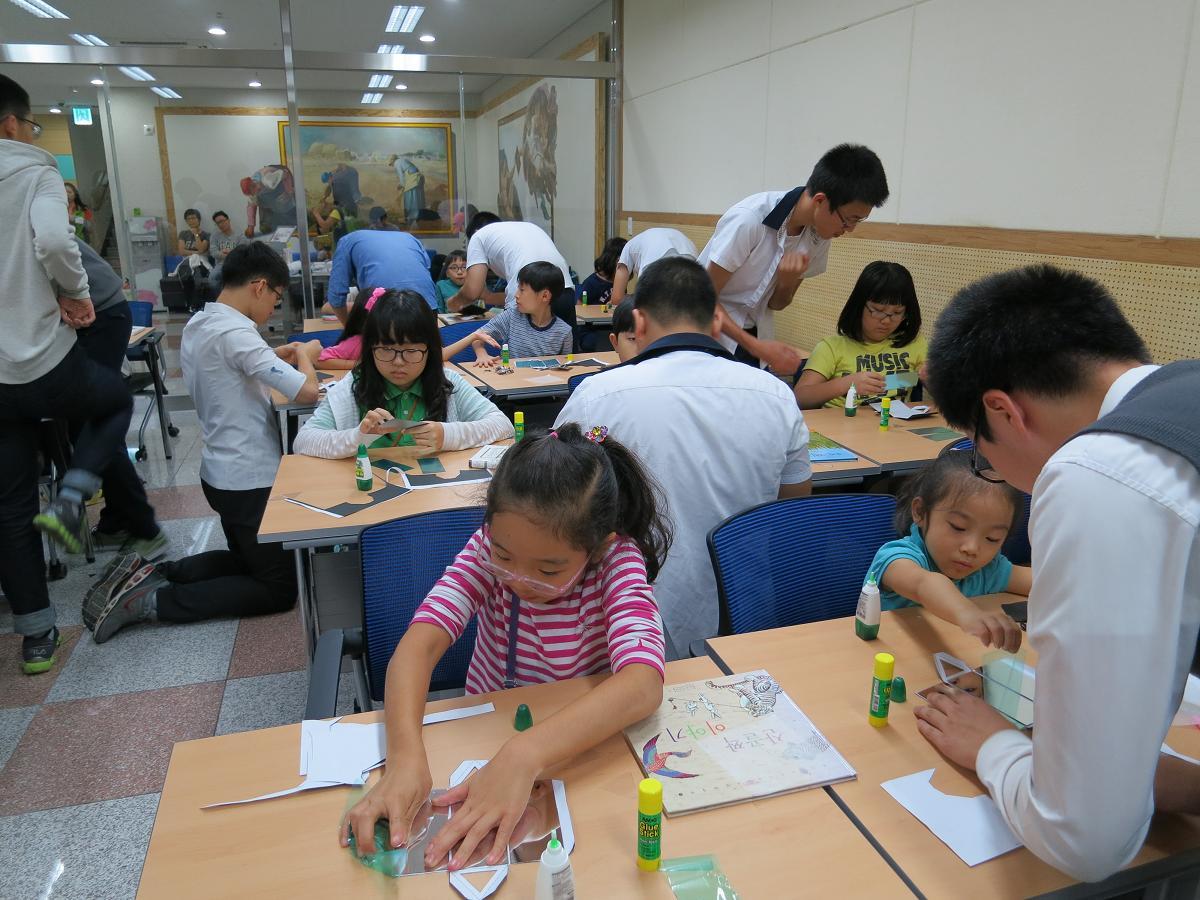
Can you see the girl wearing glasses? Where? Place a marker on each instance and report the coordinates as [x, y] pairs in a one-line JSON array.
[[877, 336], [454, 276], [400, 375], [557, 580]]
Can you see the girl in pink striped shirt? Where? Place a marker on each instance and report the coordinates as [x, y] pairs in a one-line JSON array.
[[558, 577]]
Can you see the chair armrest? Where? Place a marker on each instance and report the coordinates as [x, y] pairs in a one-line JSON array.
[[326, 670]]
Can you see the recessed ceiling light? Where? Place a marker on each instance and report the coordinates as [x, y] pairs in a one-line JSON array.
[[256, 83], [40, 9], [380, 81], [217, 31], [427, 39], [390, 48], [88, 40], [136, 73], [371, 98], [167, 93], [56, 110], [402, 86], [403, 18], [98, 82]]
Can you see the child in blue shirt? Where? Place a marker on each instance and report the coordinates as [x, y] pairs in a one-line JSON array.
[[954, 524]]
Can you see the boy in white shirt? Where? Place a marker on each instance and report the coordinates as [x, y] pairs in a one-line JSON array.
[[764, 246], [229, 371], [1041, 366], [644, 248]]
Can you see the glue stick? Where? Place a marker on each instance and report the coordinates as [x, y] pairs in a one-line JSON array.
[[504, 357], [881, 689], [885, 413], [519, 424], [649, 843]]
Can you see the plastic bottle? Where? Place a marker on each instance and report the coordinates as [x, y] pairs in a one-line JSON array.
[[649, 843], [504, 357], [866, 619], [885, 413], [362, 469], [851, 401], [555, 880], [519, 424], [583, 299], [881, 689]]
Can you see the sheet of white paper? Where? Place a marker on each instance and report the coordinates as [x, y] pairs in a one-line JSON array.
[[970, 826], [323, 512], [544, 379], [449, 715], [1175, 753], [1189, 709], [306, 785], [901, 410]]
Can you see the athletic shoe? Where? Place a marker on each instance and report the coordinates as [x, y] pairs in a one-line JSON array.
[[37, 653], [110, 540], [96, 498], [133, 603], [114, 576], [153, 549], [63, 521]]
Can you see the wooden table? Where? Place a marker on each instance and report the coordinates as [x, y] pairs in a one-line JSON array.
[[528, 384], [780, 847], [896, 450], [593, 314], [139, 333], [322, 324], [826, 670]]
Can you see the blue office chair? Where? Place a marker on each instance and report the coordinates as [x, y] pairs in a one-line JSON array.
[[456, 332], [400, 561], [788, 562], [328, 338], [963, 443], [575, 380]]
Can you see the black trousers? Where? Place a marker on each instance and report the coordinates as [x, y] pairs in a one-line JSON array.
[[125, 505], [76, 390], [742, 355], [248, 579]]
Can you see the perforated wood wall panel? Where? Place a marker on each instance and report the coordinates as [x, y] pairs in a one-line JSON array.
[[1162, 302]]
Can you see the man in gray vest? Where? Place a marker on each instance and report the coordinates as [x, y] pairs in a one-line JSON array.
[[1041, 367]]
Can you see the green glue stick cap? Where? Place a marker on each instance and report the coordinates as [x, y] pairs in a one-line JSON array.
[[899, 692], [524, 718]]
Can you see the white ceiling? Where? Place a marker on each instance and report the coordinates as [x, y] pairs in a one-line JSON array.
[[507, 28]]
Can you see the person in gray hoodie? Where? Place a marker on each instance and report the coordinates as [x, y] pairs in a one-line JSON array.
[[44, 373]]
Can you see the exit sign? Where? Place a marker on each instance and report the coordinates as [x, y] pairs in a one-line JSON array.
[[82, 115]]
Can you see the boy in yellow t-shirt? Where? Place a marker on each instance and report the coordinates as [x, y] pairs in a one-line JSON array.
[[878, 335]]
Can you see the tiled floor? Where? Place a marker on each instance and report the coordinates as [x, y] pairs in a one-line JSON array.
[[84, 748]]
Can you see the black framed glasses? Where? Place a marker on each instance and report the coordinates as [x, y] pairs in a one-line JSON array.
[[389, 354], [848, 224], [36, 126], [979, 463], [884, 315]]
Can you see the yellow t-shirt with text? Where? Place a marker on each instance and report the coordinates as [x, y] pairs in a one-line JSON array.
[[838, 356]]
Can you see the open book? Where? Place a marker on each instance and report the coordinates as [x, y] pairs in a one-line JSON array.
[[729, 739]]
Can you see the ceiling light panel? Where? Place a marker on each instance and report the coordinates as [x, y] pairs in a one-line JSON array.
[[136, 73], [371, 98], [166, 93], [88, 40], [403, 18], [390, 48], [380, 81], [39, 8]]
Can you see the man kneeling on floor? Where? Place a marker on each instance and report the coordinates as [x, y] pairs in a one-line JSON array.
[[229, 371]]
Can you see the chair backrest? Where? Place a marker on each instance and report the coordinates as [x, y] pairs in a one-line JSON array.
[[328, 338], [142, 312], [963, 443], [401, 561], [456, 332], [788, 562], [575, 380]]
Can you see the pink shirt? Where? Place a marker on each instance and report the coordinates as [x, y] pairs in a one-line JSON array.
[[608, 621], [350, 348]]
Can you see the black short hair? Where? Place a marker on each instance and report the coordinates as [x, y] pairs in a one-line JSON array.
[[622, 317], [14, 99], [849, 173], [889, 284], [1039, 329], [606, 262], [946, 481], [479, 220], [401, 317], [542, 276], [219, 212], [250, 261], [191, 211], [676, 288]]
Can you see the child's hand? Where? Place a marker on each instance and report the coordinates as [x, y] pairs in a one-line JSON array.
[[372, 420], [397, 797], [482, 335], [868, 384], [428, 437], [494, 798], [487, 362], [287, 352], [994, 629]]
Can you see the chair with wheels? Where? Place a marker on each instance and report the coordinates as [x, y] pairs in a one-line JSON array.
[[458, 331], [152, 382]]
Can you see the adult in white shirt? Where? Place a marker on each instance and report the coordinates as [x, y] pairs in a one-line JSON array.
[[644, 248], [718, 436], [506, 248], [764, 246], [1025, 361]]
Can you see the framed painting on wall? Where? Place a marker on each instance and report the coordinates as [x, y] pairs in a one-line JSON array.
[[528, 171], [404, 168]]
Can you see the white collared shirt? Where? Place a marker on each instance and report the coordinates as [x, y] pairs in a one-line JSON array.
[[1113, 615], [229, 370], [507, 247], [652, 245], [743, 245], [719, 436]]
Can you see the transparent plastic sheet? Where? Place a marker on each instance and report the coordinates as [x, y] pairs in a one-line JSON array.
[[697, 878], [1005, 681]]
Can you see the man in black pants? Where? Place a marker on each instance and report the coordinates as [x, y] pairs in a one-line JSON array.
[[127, 520], [229, 370], [44, 373]]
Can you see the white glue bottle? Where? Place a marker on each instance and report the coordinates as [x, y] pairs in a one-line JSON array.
[[866, 619], [851, 408], [555, 880]]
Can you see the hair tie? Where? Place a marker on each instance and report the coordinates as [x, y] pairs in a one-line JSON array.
[[553, 434], [597, 433], [375, 295]]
